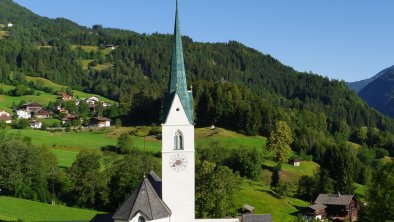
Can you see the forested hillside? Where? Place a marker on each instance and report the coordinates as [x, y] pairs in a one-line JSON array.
[[379, 93], [234, 86]]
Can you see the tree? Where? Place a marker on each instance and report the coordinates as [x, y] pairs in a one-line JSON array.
[[24, 169], [280, 140], [88, 184], [127, 173], [125, 143], [381, 195], [341, 162], [215, 189], [247, 162]]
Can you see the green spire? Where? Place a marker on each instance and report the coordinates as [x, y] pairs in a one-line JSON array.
[[177, 81], [178, 75]]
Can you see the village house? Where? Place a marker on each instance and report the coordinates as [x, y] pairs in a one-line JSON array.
[[111, 46], [5, 116], [42, 114], [100, 122], [68, 118], [35, 124], [10, 25], [22, 114], [66, 97], [335, 207], [92, 100], [33, 109]]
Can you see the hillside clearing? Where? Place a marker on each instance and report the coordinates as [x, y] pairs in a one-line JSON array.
[[58, 87], [266, 201]]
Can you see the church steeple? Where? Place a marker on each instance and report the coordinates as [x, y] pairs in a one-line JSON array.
[[177, 82]]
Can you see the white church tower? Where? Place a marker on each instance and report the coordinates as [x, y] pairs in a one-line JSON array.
[[178, 163]]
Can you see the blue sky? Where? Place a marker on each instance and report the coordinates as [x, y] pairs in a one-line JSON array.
[[341, 39]]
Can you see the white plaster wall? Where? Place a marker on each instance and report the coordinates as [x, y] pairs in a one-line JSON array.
[[135, 219], [178, 187], [22, 114], [218, 220]]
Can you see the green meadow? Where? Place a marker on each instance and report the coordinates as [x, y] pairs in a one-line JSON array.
[[266, 201], [58, 87], [44, 98], [13, 209]]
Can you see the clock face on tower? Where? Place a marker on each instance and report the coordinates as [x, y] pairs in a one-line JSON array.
[[178, 162]]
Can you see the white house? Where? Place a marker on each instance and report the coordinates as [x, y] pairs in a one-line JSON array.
[[10, 25], [35, 124], [100, 122], [5, 116], [92, 100], [23, 114]]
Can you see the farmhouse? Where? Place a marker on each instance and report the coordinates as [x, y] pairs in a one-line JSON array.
[[68, 118], [22, 114], [42, 114], [5, 116], [100, 122], [33, 109], [92, 100], [336, 207], [65, 97]]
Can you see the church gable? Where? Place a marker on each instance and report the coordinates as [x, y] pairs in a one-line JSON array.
[[143, 202], [176, 112]]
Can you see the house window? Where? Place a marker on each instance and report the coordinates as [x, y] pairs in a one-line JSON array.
[[141, 219], [178, 141]]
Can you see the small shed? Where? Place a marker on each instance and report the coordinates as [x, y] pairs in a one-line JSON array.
[[296, 162], [248, 209]]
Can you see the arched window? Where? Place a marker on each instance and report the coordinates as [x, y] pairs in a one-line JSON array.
[[141, 219], [178, 140]]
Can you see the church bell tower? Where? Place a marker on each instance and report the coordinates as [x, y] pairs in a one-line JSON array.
[[178, 162]]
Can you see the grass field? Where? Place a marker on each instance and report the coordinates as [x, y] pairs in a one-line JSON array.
[[80, 140], [66, 145], [12, 209], [266, 201], [360, 191], [85, 63], [226, 138], [6, 88], [7, 101], [65, 158], [101, 67]]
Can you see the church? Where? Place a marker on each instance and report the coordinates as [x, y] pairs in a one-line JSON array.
[[172, 197]]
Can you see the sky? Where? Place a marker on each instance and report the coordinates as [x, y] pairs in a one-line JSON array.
[[343, 39]]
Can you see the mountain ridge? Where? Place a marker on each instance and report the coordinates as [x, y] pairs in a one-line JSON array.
[[357, 86]]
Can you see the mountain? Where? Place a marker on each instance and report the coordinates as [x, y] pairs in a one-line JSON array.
[[359, 85], [380, 92]]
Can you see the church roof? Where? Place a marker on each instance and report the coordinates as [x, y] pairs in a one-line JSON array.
[[144, 200], [177, 81]]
